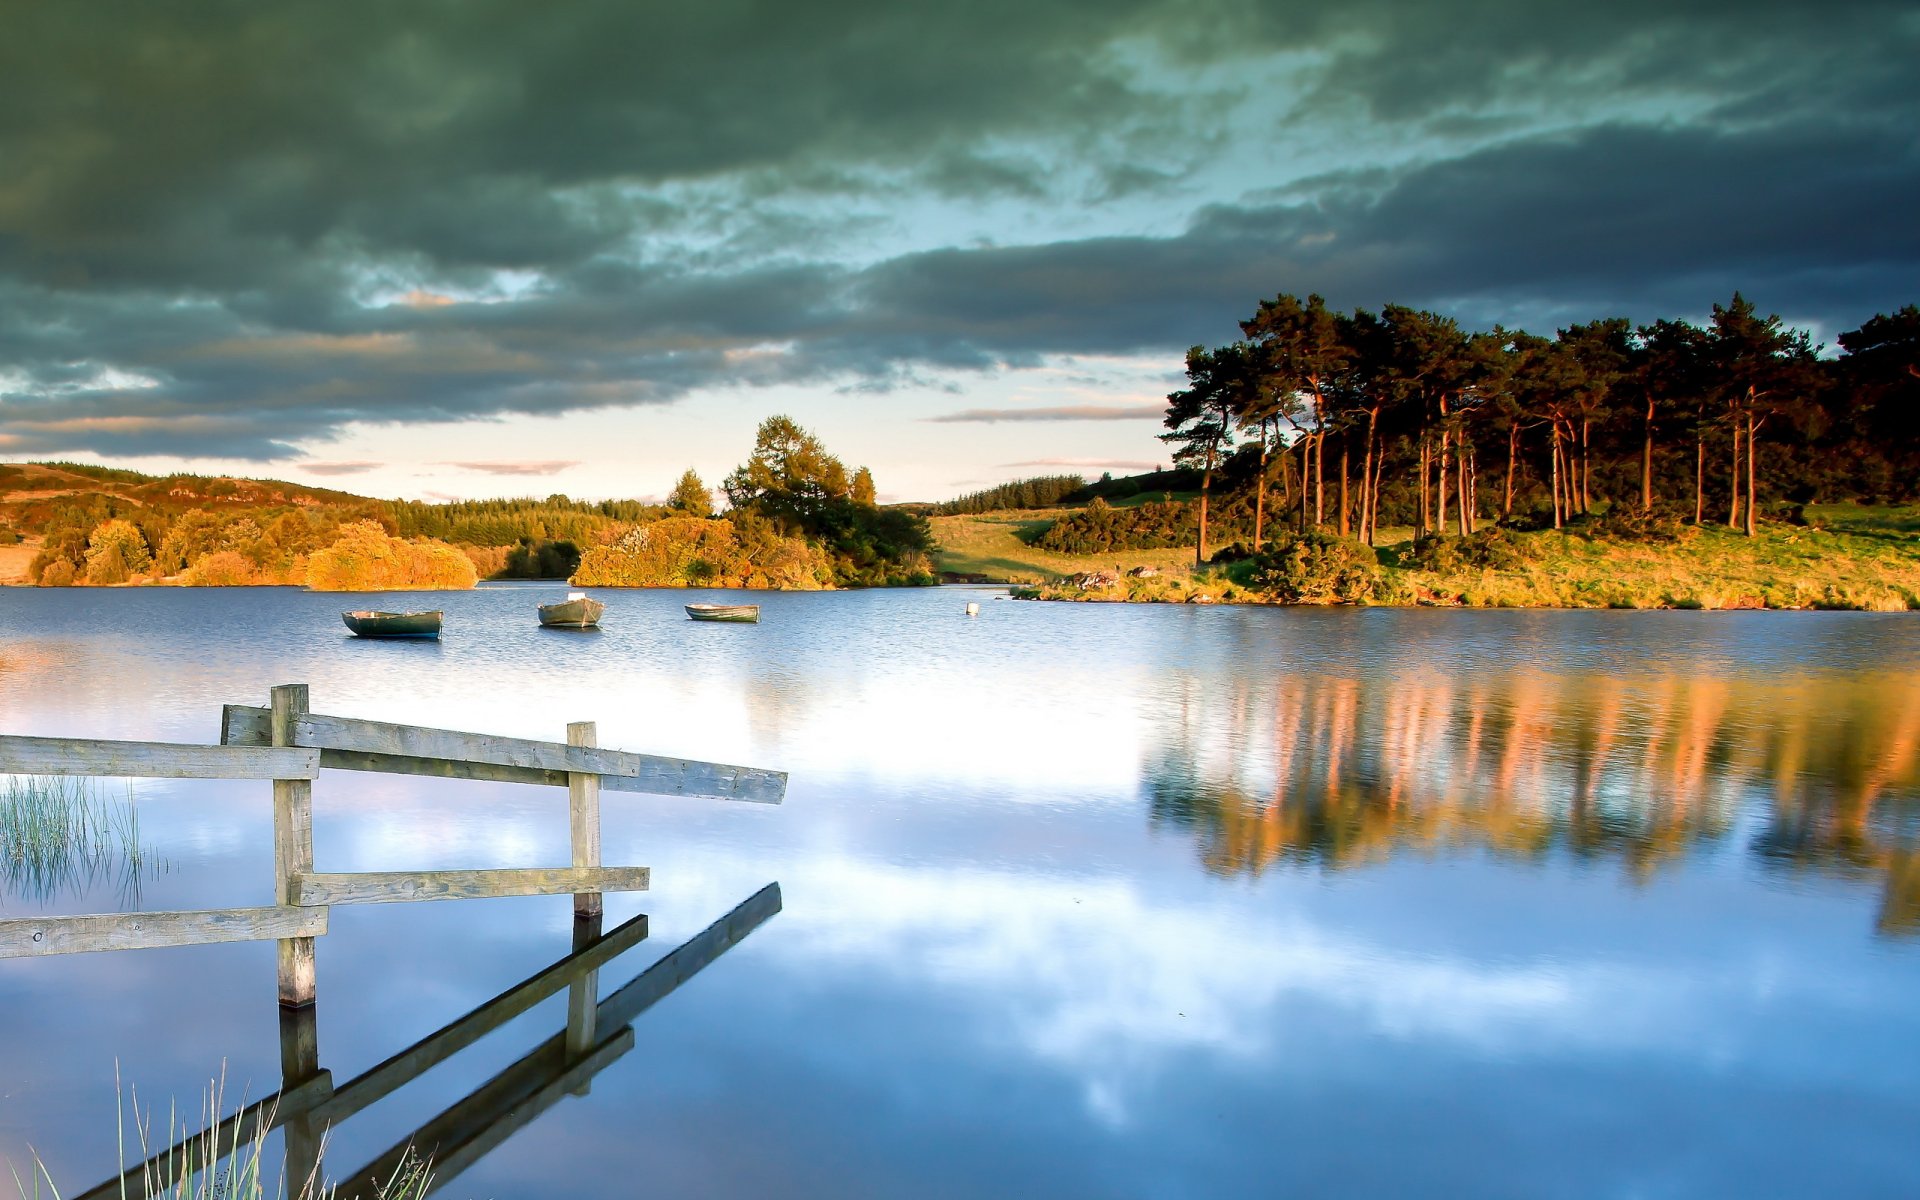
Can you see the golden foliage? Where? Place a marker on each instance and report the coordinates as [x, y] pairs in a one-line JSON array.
[[703, 552], [364, 558], [221, 568], [116, 553]]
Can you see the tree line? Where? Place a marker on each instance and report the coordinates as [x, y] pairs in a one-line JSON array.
[[1364, 417]]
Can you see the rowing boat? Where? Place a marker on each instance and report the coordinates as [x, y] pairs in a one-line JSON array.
[[577, 611], [742, 613], [369, 624]]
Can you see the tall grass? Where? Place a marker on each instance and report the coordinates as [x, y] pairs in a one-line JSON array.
[[59, 834], [206, 1166]]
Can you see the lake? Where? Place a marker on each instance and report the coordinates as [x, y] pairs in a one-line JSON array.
[[1075, 899]]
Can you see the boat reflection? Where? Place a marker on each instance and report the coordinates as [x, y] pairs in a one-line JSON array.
[[1813, 774], [596, 1036]]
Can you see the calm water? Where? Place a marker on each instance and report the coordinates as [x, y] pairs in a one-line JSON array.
[[1079, 900]]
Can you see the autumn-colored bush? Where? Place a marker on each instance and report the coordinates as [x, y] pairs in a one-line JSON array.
[[116, 553], [222, 568], [364, 558], [58, 573], [703, 552]]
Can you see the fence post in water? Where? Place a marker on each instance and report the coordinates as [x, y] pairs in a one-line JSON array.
[[292, 847], [583, 815]]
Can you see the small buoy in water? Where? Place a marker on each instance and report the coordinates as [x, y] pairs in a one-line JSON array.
[[973, 610]]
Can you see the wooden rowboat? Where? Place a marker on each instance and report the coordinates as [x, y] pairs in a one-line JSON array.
[[369, 624], [744, 613], [577, 611]]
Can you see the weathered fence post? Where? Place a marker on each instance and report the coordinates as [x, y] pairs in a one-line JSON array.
[[583, 816], [292, 847]]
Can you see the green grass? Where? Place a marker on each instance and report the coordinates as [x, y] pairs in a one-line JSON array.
[[203, 1167], [60, 833], [991, 545], [1847, 557]]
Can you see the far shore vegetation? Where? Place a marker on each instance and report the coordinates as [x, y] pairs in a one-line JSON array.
[[1338, 458], [1368, 457], [796, 517]]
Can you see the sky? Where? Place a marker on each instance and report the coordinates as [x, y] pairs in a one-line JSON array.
[[451, 251]]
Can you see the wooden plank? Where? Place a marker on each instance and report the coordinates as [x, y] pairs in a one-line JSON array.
[[292, 848], [246, 725], [352, 744], [404, 1067], [383, 887], [161, 1172], [151, 760], [27, 937], [660, 980], [495, 1111], [583, 817]]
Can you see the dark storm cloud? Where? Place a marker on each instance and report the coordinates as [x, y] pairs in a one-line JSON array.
[[197, 205]]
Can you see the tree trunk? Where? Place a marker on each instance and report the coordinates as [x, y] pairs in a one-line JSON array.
[[1319, 474], [1260, 492], [1586, 467], [1366, 482], [1732, 482], [1206, 488], [1751, 446], [1513, 452], [1465, 483], [1646, 462], [1556, 474], [1344, 524], [1373, 496], [1440, 517], [1306, 452], [1424, 452]]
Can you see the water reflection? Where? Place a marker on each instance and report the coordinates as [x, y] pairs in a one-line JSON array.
[[598, 1033], [1817, 773]]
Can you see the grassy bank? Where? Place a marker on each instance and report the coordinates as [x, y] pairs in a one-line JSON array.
[[991, 546], [1848, 557]]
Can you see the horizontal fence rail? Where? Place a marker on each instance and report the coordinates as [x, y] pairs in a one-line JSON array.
[[21, 755], [351, 744], [384, 887], [27, 937]]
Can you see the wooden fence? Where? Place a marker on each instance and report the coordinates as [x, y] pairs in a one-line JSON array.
[[288, 744], [597, 1034]]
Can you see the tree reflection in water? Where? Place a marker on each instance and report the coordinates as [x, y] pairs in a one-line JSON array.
[[1819, 773]]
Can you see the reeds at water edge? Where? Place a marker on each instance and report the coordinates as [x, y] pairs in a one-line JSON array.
[[60, 833], [191, 1167]]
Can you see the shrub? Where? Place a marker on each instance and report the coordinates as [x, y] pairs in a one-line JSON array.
[[1317, 568], [222, 568], [1630, 523], [364, 558], [706, 552], [116, 553], [58, 573], [1493, 549], [1100, 528]]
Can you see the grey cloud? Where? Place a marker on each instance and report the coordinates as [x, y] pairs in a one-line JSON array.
[[339, 468], [197, 203], [1060, 412]]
